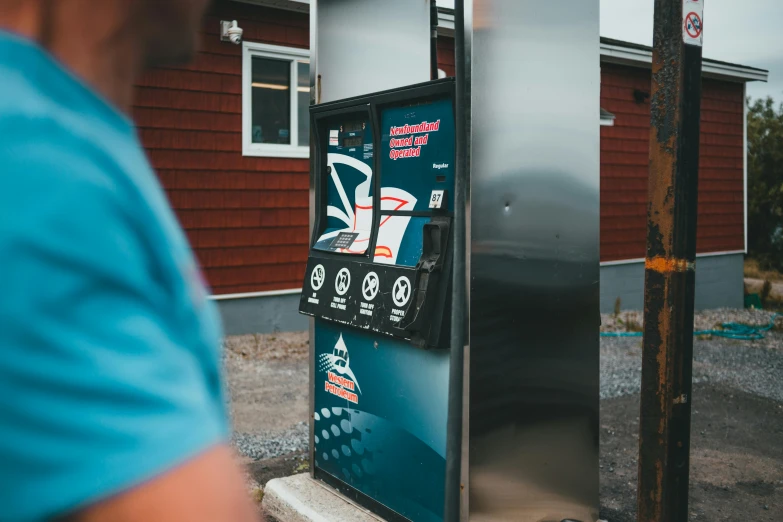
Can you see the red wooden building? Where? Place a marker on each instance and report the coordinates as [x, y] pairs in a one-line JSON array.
[[228, 136]]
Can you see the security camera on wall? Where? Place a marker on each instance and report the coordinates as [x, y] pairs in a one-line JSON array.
[[230, 32]]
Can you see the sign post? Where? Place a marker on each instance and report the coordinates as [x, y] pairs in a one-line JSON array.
[[667, 356]]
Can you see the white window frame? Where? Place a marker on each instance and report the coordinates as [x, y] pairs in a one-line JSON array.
[[275, 52]]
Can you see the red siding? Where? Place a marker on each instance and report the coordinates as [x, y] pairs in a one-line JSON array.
[[446, 55], [246, 217], [625, 160]]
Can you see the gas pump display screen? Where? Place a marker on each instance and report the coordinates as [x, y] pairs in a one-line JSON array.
[[354, 126], [353, 142]]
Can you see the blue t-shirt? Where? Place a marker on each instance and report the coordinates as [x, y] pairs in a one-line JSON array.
[[109, 346]]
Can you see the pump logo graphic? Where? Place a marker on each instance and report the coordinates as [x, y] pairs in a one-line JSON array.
[[355, 214], [341, 381]]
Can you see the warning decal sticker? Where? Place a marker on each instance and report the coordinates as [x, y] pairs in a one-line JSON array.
[[693, 22]]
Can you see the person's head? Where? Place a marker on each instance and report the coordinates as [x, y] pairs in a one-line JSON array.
[[163, 31], [171, 28], [108, 43]]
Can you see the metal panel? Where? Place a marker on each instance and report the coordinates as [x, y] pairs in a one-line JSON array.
[[311, 321], [358, 47], [533, 447], [368, 46]]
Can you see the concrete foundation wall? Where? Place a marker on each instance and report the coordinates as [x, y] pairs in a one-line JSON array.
[[266, 314], [719, 283]]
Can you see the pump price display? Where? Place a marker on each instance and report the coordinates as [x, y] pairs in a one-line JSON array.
[[352, 126], [436, 200], [363, 295], [353, 142]]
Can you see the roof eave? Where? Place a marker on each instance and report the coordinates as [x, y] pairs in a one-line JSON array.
[[446, 21], [637, 57]]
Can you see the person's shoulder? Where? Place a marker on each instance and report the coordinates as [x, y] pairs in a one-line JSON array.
[[47, 146], [40, 158], [21, 94], [51, 172], [47, 116]]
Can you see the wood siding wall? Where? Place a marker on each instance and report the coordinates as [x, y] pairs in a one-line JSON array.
[[246, 217], [625, 160], [446, 55]]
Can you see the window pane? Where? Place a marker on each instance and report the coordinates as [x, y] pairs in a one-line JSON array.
[[271, 101], [303, 99]]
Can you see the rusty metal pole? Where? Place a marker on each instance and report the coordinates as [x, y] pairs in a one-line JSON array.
[[667, 356]]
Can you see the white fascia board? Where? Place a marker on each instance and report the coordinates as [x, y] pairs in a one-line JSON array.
[[445, 18], [725, 70], [446, 23], [300, 6], [642, 58]]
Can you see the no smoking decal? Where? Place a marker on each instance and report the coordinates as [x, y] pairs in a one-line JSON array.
[[693, 22]]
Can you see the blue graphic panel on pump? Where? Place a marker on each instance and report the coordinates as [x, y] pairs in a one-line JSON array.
[[380, 418], [408, 247], [349, 186], [417, 155]]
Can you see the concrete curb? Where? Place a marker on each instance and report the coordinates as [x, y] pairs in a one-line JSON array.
[[299, 498]]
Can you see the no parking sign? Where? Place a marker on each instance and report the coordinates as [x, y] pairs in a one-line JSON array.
[[693, 22]]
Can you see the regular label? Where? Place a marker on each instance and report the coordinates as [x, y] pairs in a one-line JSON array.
[[693, 22]]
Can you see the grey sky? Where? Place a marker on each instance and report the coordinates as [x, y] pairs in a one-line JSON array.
[[737, 31]]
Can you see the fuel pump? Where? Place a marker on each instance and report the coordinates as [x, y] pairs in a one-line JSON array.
[[377, 282], [452, 277]]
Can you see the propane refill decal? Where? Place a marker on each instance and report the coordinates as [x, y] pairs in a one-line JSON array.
[[410, 147]]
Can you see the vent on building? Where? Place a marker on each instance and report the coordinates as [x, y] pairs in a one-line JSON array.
[[607, 118]]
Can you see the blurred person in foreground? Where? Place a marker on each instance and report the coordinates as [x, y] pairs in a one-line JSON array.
[[111, 400]]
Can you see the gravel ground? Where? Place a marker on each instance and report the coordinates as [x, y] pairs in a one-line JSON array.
[[268, 445], [752, 366], [268, 376]]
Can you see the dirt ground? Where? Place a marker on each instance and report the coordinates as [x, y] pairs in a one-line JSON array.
[[736, 457], [755, 286], [267, 377]]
